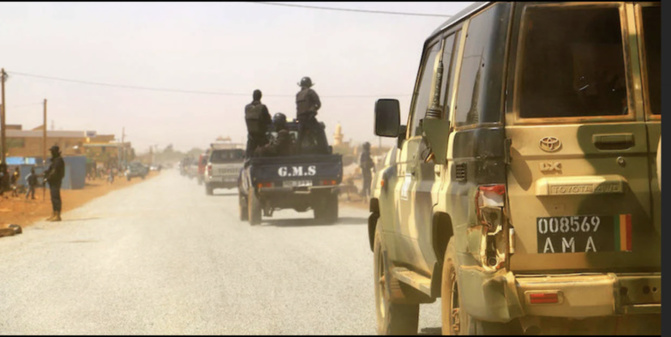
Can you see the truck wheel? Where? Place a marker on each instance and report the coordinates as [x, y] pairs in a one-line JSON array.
[[254, 208], [242, 207], [128, 178], [209, 190], [392, 318]]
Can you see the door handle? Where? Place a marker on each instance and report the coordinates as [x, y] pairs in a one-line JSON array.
[[613, 141]]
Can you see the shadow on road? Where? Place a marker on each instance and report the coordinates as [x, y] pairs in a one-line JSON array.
[[229, 194], [431, 331], [81, 219], [312, 222]]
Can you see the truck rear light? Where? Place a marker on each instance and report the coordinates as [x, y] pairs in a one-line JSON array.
[[328, 182], [265, 185], [489, 203], [209, 169], [543, 298], [489, 207]]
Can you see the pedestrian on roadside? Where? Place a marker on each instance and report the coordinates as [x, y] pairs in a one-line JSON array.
[[31, 179], [16, 175], [110, 176], [54, 176], [366, 164]]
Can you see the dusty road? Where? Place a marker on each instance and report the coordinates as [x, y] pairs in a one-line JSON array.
[[161, 257]]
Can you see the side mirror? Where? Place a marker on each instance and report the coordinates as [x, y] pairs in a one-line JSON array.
[[437, 133], [387, 117]]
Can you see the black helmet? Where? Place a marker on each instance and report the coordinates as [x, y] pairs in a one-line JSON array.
[[366, 146], [55, 148], [279, 121], [306, 82], [256, 95]]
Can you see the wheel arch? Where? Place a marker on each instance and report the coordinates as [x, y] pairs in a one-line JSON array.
[[441, 233]]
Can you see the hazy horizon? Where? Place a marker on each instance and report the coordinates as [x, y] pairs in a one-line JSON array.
[[224, 49]]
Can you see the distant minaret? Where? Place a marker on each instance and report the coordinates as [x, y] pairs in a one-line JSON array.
[[338, 135]]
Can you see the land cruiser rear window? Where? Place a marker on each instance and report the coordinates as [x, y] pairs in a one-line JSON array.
[[226, 156], [572, 63]]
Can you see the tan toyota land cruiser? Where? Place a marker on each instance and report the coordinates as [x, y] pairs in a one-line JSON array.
[[523, 190]]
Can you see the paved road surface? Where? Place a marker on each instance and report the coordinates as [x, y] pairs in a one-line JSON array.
[[161, 257]]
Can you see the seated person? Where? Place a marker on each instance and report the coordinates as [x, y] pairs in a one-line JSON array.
[[280, 145]]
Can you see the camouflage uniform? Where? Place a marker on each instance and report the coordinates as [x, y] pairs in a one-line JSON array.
[[307, 104]]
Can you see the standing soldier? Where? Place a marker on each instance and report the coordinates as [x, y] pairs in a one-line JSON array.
[[54, 176], [366, 163], [307, 104], [257, 118]]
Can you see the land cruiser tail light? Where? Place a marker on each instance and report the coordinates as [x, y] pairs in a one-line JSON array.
[[489, 205], [328, 182], [265, 185]]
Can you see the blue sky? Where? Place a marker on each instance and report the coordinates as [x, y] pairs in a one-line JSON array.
[[228, 47]]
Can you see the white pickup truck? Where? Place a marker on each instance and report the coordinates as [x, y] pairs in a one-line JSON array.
[[223, 166]]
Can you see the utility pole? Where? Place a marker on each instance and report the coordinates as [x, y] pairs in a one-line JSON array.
[[3, 142], [123, 146], [44, 135]]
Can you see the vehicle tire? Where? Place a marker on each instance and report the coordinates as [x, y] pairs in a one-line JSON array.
[[253, 208], [242, 207], [142, 177], [128, 178], [455, 320], [209, 190], [392, 318]]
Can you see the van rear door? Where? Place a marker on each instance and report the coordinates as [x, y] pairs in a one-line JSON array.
[[579, 195]]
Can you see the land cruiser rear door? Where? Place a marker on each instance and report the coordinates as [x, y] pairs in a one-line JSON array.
[[579, 192]]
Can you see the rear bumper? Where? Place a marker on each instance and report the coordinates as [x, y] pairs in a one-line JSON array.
[[505, 296], [270, 191], [221, 181]]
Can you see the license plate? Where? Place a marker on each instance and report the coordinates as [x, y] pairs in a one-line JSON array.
[[296, 183], [584, 234]]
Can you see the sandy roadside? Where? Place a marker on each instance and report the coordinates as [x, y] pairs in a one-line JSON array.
[[25, 212]]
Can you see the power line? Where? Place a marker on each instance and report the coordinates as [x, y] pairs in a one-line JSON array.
[[125, 86], [350, 9]]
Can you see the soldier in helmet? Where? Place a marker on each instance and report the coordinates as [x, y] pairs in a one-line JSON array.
[[258, 120], [307, 104], [366, 164], [54, 176], [281, 145]]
